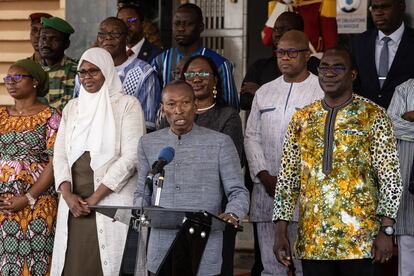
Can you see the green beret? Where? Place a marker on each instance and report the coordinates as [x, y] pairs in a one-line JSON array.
[[58, 24], [37, 73]]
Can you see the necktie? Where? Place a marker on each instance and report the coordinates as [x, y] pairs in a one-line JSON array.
[[383, 62], [130, 52]]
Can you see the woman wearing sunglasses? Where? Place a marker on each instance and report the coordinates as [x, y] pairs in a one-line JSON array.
[[28, 201], [212, 111]]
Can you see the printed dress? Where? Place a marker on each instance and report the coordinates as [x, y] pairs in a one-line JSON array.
[[26, 237]]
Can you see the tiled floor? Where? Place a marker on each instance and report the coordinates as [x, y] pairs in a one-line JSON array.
[[243, 263]]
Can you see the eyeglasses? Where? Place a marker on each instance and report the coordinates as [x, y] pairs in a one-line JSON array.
[[91, 73], [192, 75], [374, 8], [16, 78], [291, 53], [116, 35], [336, 70], [132, 19]]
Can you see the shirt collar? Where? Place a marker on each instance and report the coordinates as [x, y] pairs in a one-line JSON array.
[[199, 51], [346, 103], [137, 47], [395, 36], [301, 82], [120, 68], [57, 65], [184, 136]]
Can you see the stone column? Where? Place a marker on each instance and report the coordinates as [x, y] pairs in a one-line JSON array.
[[85, 17]]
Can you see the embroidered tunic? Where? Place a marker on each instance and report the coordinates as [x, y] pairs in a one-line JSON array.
[[273, 107], [343, 164]]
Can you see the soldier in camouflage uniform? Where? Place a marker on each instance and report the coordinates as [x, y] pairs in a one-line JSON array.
[[54, 40]]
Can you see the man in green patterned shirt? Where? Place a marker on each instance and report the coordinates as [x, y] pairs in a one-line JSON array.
[[340, 160], [54, 40]]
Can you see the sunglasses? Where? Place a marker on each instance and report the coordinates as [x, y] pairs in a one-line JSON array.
[[132, 19], [192, 75]]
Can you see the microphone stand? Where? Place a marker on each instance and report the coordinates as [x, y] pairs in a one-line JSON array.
[[140, 226], [159, 188], [149, 181]]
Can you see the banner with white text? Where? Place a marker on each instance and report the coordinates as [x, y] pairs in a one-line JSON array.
[[351, 16]]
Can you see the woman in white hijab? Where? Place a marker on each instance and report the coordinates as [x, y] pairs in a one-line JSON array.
[[94, 163]]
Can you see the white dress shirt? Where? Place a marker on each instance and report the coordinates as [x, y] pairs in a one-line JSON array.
[[392, 45], [136, 48]]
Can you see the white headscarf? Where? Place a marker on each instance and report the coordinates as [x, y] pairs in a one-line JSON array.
[[95, 125]]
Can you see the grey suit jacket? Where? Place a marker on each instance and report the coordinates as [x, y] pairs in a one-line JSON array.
[[206, 166]]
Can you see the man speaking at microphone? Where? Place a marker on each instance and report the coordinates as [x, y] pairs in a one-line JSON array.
[[205, 168]]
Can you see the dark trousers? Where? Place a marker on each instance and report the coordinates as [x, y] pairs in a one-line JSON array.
[[363, 267]]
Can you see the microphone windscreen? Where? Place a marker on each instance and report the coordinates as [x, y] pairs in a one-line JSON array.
[[166, 154]]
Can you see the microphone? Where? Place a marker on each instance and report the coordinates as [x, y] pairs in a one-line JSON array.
[[166, 156]]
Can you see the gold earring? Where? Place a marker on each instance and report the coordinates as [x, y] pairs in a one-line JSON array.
[[34, 86], [214, 92]]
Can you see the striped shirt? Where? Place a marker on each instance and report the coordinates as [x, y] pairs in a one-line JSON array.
[[61, 82], [402, 102], [139, 79], [166, 63]]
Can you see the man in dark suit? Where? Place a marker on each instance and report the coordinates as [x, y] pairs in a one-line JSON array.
[[383, 55], [266, 70], [137, 44]]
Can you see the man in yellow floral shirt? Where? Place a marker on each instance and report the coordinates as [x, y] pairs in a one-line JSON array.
[[340, 158]]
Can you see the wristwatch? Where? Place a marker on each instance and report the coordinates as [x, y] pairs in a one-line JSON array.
[[30, 199], [387, 230], [233, 215]]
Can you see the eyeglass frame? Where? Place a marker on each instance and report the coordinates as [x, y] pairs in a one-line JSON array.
[[331, 69], [115, 35], [132, 19], [91, 73], [197, 74], [14, 80], [291, 52]]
